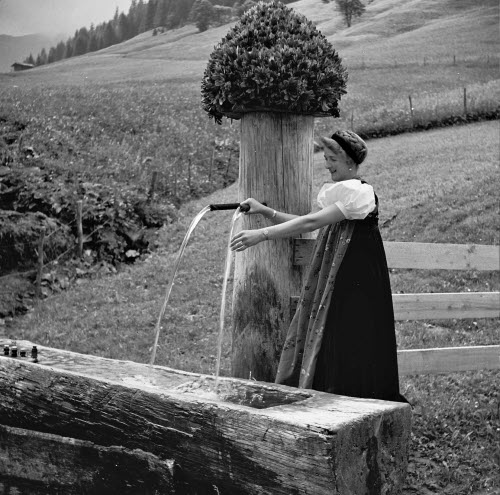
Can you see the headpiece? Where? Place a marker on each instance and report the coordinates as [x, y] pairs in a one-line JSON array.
[[352, 144]]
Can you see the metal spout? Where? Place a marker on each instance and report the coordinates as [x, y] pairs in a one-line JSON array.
[[228, 206]]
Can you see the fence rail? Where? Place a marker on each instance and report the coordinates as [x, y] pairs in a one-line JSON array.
[[424, 256], [434, 306]]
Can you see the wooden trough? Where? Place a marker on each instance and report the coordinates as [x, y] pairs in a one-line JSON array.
[[83, 424]]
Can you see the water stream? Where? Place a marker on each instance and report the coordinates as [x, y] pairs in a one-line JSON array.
[[229, 258], [193, 225]]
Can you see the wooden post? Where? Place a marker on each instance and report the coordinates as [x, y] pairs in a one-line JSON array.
[[152, 188], [79, 227], [211, 166], [175, 180], [411, 110], [39, 273], [352, 120], [465, 101], [276, 159], [228, 165]]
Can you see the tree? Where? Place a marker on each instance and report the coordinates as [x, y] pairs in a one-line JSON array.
[[52, 55], [30, 60], [68, 51], [147, 21], [202, 13], [109, 37], [81, 42], [162, 8], [350, 9], [41, 58], [60, 50], [124, 28]]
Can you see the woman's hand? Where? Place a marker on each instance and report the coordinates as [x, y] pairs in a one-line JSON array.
[[255, 207], [246, 239]]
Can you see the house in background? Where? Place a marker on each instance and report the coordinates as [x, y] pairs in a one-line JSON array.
[[17, 66]]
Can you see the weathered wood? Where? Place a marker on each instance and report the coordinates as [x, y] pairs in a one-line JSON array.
[[444, 306], [68, 465], [276, 159], [448, 360], [441, 306], [425, 256], [249, 438]]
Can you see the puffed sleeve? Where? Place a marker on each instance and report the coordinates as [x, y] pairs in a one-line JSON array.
[[353, 198]]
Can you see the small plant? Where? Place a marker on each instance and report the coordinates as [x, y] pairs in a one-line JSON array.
[[276, 60]]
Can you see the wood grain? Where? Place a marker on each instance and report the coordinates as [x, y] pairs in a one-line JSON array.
[[448, 360], [251, 438], [425, 256], [441, 306], [276, 164]]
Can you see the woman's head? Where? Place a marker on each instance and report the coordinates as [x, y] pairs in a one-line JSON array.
[[344, 152]]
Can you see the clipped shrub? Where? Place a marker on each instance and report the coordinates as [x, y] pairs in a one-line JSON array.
[[274, 59]]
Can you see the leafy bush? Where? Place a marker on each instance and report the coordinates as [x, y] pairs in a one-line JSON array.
[[273, 59]]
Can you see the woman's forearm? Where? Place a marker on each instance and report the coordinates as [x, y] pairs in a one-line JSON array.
[[278, 217], [306, 223]]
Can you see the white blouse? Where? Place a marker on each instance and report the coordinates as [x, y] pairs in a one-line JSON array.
[[353, 198]]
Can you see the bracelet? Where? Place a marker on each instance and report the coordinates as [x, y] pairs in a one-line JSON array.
[[274, 214]]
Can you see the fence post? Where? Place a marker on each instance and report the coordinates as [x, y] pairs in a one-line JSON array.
[[210, 167], [465, 101], [352, 120], [175, 179], [411, 111], [79, 227], [151, 192], [228, 164], [38, 286], [454, 60]]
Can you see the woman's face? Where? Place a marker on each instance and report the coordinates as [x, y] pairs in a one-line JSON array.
[[340, 166]]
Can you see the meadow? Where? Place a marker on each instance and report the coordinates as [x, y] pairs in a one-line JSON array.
[[120, 115]]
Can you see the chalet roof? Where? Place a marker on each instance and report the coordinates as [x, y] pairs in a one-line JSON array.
[[22, 64]]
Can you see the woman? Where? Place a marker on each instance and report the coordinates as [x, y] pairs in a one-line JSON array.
[[341, 339]]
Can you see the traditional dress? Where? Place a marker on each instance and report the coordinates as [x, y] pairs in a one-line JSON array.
[[342, 339]]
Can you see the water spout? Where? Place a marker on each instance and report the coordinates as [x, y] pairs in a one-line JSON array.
[[193, 225], [229, 206]]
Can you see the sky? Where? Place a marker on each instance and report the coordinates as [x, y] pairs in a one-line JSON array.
[[55, 17]]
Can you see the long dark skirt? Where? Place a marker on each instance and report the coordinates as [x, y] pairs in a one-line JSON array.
[[358, 353]]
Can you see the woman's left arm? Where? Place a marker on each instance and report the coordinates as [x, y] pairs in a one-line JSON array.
[[300, 225]]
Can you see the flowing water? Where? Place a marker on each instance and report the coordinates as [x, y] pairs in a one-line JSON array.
[[193, 225], [229, 258]]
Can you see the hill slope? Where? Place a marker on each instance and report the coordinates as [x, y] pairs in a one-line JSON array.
[[391, 31]]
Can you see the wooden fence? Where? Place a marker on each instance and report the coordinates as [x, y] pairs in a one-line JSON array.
[[437, 306]]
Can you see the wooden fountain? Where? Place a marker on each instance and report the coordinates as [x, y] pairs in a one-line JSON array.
[[85, 424]]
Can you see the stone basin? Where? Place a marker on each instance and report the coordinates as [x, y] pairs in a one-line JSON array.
[[135, 428]]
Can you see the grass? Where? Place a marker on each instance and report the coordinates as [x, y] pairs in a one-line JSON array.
[[449, 171]]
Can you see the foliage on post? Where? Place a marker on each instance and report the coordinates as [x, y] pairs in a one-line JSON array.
[[275, 71], [274, 59]]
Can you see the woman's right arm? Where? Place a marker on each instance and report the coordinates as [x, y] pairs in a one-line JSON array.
[[266, 212]]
